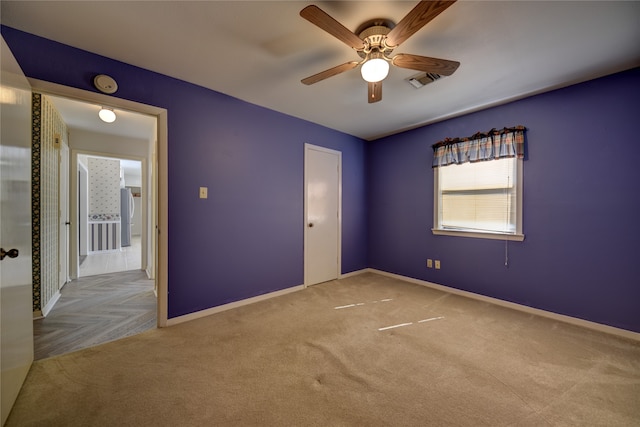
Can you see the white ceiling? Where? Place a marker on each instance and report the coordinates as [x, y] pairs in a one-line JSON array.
[[258, 51], [80, 115]]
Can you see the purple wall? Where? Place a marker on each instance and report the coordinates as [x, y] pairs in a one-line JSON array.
[[246, 239], [581, 255]]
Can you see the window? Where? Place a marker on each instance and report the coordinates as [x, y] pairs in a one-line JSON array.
[[482, 198]]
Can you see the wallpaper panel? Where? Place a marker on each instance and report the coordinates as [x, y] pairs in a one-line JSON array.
[[104, 189], [45, 160]]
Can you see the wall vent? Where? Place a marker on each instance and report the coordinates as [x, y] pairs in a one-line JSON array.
[[423, 79]]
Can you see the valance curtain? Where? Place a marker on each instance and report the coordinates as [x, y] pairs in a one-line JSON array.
[[495, 144]]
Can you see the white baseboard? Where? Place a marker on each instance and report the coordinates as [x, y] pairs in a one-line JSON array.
[[354, 273], [47, 308], [203, 313], [526, 309], [523, 308]]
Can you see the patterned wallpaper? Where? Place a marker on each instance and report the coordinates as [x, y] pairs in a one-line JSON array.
[[104, 189], [45, 161]]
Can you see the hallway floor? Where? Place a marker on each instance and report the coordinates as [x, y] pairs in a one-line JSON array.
[[125, 259], [96, 309]]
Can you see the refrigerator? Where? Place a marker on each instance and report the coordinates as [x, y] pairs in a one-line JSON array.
[[126, 215]]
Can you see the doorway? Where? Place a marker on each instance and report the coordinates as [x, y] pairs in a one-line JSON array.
[[85, 313], [63, 216], [117, 181], [323, 214], [155, 165]]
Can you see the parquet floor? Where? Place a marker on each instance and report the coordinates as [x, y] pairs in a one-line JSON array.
[[96, 309]]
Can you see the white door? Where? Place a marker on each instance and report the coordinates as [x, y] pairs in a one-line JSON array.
[[64, 224], [83, 211], [16, 306], [322, 214]]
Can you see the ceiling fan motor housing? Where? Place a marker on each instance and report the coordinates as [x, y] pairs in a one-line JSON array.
[[373, 37]]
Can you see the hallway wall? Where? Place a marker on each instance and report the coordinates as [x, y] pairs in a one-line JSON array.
[[104, 204], [47, 127]]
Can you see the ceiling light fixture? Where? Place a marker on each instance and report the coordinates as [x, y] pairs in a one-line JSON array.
[[375, 68], [107, 115]]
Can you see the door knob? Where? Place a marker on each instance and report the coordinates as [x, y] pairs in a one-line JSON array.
[[310, 224], [11, 254]]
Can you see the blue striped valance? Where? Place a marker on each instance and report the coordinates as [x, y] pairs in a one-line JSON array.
[[495, 144]]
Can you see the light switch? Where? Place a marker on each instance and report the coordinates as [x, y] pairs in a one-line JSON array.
[[203, 192]]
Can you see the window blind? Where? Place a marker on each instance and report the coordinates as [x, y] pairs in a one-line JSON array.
[[478, 196]]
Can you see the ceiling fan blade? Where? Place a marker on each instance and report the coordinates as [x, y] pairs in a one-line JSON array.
[[318, 17], [375, 92], [330, 72], [443, 67], [417, 18]]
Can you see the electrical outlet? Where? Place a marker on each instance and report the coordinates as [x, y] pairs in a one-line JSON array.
[[429, 263], [203, 192], [437, 264]]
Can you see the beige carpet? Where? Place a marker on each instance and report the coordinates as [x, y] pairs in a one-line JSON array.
[[334, 355]]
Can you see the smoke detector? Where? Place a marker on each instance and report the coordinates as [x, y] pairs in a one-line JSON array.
[[105, 84]]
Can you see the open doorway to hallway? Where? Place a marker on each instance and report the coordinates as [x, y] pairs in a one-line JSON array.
[[112, 293], [103, 181]]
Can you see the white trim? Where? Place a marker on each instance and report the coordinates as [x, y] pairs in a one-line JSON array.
[[354, 273], [55, 89], [47, 308], [307, 148], [523, 308], [494, 236], [161, 115], [518, 236], [162, 203], [204, 313], [74, 249]]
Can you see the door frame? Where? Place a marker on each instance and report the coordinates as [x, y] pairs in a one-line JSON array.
[[63, 212], [75, 249], [161, 178], [338, 154]]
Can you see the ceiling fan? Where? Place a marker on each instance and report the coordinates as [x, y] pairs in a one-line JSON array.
[[375, 40]]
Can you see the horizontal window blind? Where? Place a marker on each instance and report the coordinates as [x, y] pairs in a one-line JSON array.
[[478, 196]]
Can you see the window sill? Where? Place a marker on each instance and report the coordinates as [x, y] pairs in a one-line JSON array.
[[479, 235]]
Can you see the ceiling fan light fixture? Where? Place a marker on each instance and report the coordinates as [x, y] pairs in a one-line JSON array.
[[107, 115], [374, 70], [374, 42]]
